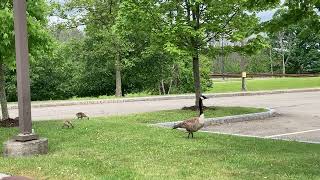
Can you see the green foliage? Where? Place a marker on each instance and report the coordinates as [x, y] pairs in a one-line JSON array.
[[156, 42], [38, 35], [299, 40], [305, 56], [6, 33], [40, 43], [292, 12], [53, 76], [132, 30], [258, 63]]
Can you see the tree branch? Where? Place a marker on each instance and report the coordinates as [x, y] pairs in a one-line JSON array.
[[225, 24]]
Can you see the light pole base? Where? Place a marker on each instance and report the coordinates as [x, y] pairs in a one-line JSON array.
[[13, 148], [26, 137]]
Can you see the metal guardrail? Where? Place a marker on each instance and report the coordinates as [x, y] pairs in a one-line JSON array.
[[257, 75]]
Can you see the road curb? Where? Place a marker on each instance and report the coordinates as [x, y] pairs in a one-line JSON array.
[[229, 119], [3, 176], [159, 98]]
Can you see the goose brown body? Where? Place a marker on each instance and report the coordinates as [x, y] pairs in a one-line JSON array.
[[67, 124], [81, 115], [194, 124], [191, 125]]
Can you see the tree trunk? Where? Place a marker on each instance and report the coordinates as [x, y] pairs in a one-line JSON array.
[[195, 58], [283, 64], [163, 88], [242, 59], [196, 77], [118, 76], [160, 93], [281, 37], [3, 98], [170, 86], [242, 63], [222, 57], [271, 62]]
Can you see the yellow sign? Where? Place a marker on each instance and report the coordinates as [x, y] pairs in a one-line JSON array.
[[244, 74]]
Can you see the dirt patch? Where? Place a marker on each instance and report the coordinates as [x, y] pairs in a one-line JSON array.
[[9, 122]]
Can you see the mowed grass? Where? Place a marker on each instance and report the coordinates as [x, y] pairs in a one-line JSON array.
[[265, 84], [127, 147]]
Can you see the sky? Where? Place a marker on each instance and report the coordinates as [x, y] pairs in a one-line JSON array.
[[264, 16]]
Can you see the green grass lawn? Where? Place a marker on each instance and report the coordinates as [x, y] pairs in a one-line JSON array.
[[126, 147], [266, 84]]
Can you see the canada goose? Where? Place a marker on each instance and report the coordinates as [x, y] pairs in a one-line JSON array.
[[194, 124], [67, 124], [81, 115]]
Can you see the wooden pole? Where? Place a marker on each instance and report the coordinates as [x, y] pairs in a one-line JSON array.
[[243, 84], [23, 80]]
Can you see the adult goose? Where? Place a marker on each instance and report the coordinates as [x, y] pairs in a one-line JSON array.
[[194, 124]]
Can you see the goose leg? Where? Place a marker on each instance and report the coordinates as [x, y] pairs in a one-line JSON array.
[[192, 134], [188, 134]]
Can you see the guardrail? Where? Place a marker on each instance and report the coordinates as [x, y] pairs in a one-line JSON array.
[[260, 75]]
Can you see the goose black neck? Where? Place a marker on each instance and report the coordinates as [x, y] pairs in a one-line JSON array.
[[200, 106]]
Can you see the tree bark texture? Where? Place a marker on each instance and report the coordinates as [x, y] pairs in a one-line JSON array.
[[196, 77], [281, 37], [271, 61], [3, 97], [283, 64], [195, 58], [222, 57], [118, 76], [163, 88]]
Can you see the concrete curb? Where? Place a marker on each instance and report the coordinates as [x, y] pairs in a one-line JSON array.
[[3, 176], [159, 98], [229, 119]]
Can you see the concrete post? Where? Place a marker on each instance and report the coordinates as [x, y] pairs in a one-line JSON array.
[[23, 81]]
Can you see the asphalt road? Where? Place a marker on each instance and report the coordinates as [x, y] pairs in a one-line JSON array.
[[299, 114]]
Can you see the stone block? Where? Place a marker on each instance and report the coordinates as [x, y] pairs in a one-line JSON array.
[[14, 148]]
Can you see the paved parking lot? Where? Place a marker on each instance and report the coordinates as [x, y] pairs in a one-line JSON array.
[[299, 118]]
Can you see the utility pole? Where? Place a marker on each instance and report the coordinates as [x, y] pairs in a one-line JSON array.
[[23, 80]]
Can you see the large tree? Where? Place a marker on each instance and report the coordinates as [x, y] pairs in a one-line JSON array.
[[161, 30], [295, 29], [99, 18], [197, 23]]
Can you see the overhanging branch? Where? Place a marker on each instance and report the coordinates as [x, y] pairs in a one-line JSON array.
[[225, 24]]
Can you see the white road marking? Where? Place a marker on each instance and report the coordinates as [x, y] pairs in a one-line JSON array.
[[287, 134], [261, 137], [232, 134]]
